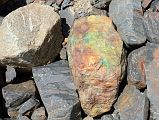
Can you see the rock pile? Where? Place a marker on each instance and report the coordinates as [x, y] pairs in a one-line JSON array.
[[79, 59]]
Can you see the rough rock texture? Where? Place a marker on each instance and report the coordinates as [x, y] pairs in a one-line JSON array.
[[136, 68], [100, 3], [16, 94], [145, 3], [29, 105], [132, 105], [39, 114], [34, 39], [152, 26], [57, 91], [152, 78], [10, 74], [20, 117], [127, 16], [96, 57]]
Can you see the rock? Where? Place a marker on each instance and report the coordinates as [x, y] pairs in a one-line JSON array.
[[100, 4], [1, 19], [106, 117], [20, 117], [63, 53], [29, 105], [34, 39], [136, 68], [132, 105], [88, 118], [152, 72], [57, 91], [146, 3], [96, 57], [151, 26], [10, 74], [131, 29], [16, 94], [39, 114]]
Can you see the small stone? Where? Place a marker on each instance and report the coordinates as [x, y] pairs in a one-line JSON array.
[[10, 74], [100, 4], [63, 53], [29, 105], [30, 36], [152, 26], [57, 91], [39, 114], [132, 105], [136, 68], [97, 61], [127, 15], [152, 78], [16, 94]]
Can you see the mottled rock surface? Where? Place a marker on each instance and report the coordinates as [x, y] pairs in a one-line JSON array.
[[10, 74], [57, 91], [127, 15], [30, 37], [39, 114], [16, 94], [136, 68], [152, 78], [96, 57], [100, 3], [152, 26], [132, 105]]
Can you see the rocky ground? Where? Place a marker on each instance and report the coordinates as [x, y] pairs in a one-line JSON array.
[[79, 59]]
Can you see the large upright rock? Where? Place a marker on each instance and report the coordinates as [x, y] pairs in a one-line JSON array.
[[152, 78], [152, 26], [30, 36], [136, 68], [132, 105], [127, 16], [57, 91], [96, 57]]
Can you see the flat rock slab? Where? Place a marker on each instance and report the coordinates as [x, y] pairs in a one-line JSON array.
[[152, 26], [152, 78], [16, 94], [136, 68], [132, 105], [127, 15], [96, 57], [57, 91], [30, 36]]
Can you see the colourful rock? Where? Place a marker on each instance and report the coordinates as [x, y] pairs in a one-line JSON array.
[[96, 58]]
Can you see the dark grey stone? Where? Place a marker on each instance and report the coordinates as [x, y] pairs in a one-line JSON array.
[[136, 68], [57, 91], [29, 105], [10, 74], [132, 105], [100, 3], [127, 15], [105, 117]]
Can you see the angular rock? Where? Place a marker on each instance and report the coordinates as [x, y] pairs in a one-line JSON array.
[[20, 117], [29, 105], [16, 94], [131, 28], [57, 91], [132, 105], [96, 57], [34, 39], [152, 78], [39, 114], [100, 4], [152, 26], [10, 74], [136, 68]]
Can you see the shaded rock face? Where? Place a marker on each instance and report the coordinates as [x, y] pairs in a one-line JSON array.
[[96, 58], [152, 72], [136, 68], [132, 105], [100, 3], [57, 91], [152, 26], [30, 37], [131, 29]]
